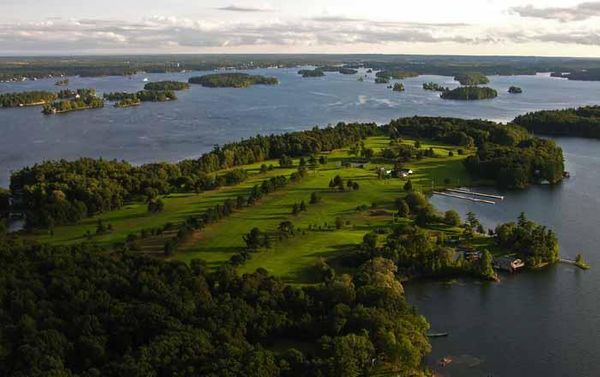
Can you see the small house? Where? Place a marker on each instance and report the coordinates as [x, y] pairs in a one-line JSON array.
[[507, 263]]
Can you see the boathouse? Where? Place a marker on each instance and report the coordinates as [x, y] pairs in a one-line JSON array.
[[507, 263]]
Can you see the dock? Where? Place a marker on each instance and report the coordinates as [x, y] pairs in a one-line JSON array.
[[437, 334], [477, 200], [469, 192]]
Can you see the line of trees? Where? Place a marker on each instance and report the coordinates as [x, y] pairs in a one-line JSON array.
[[167, 85]]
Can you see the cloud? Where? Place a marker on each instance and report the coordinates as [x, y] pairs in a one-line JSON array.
[[579, 12], [173, 34], [237, 8]]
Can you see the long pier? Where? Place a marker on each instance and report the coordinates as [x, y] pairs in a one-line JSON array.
[[464, 197], [463, 191]]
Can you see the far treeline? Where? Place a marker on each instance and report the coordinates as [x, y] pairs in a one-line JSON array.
[[471, 78], [13, 69], [232, 80], [582, 122], [506, 154], [61, 192]]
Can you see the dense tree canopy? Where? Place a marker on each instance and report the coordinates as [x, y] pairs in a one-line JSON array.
[[73, 312], [26, 98], [232, 80], [582, 122], [167, 85], [469, 93]]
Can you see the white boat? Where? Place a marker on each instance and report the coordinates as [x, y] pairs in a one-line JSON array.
[[145, 79]]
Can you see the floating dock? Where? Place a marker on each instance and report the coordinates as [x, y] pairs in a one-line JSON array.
[[464, 197], [463, 191]]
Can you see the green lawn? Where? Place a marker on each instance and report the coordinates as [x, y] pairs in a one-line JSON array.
[[291, 259]]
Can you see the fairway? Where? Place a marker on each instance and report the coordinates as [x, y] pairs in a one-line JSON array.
[[293, 259]]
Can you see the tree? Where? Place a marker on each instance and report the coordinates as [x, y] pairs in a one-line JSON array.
[[155, 205], [314, 198], [408, 186], [486, 269], [402, 207], [417, 144], [339, 223], [286, 228], [452, 218]]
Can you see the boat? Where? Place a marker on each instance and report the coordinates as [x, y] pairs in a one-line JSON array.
[[145, 79], [437, 334], [445, 361]]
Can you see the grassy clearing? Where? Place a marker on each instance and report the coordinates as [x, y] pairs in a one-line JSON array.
[[291, 259]]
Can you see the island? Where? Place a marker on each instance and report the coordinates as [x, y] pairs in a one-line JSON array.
[[234, 231], [64, 82], [591, 74], [396, 74], [471, 78], [29, 98], [469, 93], [167, 85], [580, 122], [347, 71], [398, 87], [434, 87], [125, 99], [73, 104], [311, 72], [232, 80], [515, 90], [382, 80]]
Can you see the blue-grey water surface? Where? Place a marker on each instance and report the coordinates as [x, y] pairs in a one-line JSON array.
[[544, 323]]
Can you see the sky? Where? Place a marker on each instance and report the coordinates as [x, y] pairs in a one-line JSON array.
[[462, 27]]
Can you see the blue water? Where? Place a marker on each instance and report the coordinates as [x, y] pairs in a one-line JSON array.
[[202, 117], [544, 323]]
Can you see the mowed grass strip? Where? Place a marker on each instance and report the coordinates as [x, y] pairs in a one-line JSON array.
[[292, 259]]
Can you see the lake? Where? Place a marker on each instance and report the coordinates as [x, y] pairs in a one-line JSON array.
[[542, 323], [202, 117]]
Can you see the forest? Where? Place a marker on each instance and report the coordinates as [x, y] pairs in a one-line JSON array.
[[26, 98], [124, 99], [505, 153], [581, 122], [71, 311], [80, 103], [232, 80], [469, 93], [434, 87], [167, 85], [62, 192]]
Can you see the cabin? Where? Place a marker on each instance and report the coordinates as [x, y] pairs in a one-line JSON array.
[[509, 264], [471, 255]]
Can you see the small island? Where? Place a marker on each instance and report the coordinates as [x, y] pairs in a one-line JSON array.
[[167, 85], [124, 99], [398, 87], [74, 100], [515, 90], [31, 98], [311, 72], [64, 82], [471, 78], [347, 71], [382, 80], [434, 87], [232, 80], [470, 93]]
